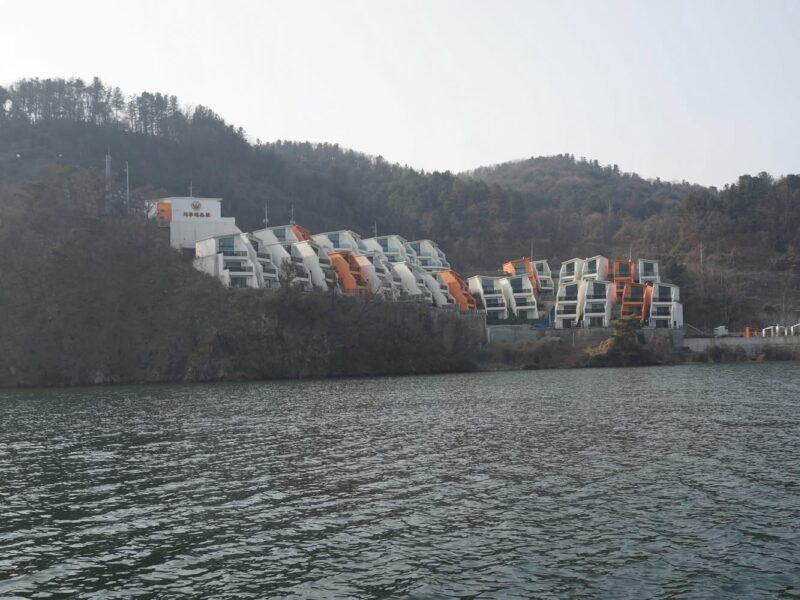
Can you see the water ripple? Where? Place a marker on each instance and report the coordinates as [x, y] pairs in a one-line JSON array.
[[633, 483]]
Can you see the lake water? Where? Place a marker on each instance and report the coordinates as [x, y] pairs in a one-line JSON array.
[[619, 483]]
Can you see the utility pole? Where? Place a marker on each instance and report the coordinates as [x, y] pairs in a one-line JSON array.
[[291, 221], [374, 229], [266, 216], [127, 185], [191, 191]]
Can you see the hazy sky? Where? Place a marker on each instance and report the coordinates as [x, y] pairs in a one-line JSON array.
[[694, 90]]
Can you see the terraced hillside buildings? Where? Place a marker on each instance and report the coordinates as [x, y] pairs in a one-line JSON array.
[[588, 292]]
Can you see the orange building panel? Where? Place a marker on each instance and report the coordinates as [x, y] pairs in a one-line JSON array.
[[523, 266], [459, 290], [622, 272], [346, 267], [302, 234], [636, 299], [164, 211]]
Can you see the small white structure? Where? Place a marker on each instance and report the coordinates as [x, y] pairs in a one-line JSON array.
[[597, 304], [237, 260], [429, 255], [571, 270], [265, 242], [647, 271], [569, 304], [413, 280], [191, 220], [303, 250], [520, 297], [666, 310], [343, 239], [379, 275], [545, 279], [596, 269], [394, 247], [440, 291], [488, 291]]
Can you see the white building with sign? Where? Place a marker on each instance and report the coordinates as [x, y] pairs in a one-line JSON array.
[[191, 220]]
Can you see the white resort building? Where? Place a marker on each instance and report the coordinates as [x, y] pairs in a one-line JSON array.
[[545, 279], [430, 257], [569, 304], [571, 270], [237, 260], [520, 297], [597, 304], [596, 268], [488, 291], [394, 247], [647, 271], [666, 310], [191, 220]]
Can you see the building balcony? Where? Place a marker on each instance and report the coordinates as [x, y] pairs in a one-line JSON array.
[[567, 312], [234, 253], [239, 269], [567, 298]]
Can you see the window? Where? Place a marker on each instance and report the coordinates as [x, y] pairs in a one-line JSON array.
[[567, 323], [592, 266], [595, 321]]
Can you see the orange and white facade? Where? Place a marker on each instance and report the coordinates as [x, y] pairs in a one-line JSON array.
[[636, 298], [313, 257], [622, 273], [458, 288], [545, 276]]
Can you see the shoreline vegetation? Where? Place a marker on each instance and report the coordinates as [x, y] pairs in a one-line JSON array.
[[556, 353]]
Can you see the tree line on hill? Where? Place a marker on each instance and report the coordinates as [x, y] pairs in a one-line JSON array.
[[734, 251]]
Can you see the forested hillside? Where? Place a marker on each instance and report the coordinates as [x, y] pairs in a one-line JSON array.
[[735, 251], [87, 297]]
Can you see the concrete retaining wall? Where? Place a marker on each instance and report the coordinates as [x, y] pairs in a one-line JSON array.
[[580, 336], [752, 345]]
